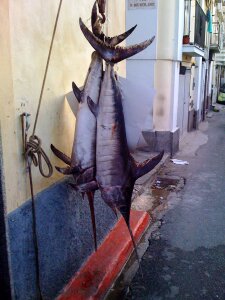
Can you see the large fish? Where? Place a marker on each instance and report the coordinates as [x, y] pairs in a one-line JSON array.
[[82, 162], [83, 158], [116, 170]]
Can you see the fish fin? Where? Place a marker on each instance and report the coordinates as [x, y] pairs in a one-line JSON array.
[[146, 166], [94, 17], [92, 106], [90, 196], [112, 54], [96, 24], [77, 92], [74, 187], [87, 187], [68, 170], [113, 41], [61, 155]]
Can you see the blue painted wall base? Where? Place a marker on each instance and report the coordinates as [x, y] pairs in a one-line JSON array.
[[64, 239]]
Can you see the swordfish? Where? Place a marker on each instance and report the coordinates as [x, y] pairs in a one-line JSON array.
[[116, 169], [83, 158], [82, 162]]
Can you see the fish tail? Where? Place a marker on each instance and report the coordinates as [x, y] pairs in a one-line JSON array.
[[112, 54]]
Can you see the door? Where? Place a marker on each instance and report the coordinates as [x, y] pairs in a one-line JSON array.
[[183, 101]]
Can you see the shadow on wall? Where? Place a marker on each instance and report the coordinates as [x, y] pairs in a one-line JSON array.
[[64, 238]]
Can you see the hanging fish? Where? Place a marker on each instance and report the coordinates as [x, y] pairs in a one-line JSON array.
[[82, 162], [83, 158], [116, 170]]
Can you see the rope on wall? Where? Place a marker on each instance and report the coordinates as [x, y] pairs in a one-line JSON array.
[[34, 154]]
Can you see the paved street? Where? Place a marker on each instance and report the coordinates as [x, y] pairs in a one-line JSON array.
[[186, 256]]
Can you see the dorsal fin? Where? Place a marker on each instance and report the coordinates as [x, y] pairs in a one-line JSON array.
[[77, 92], [112, 54], [146, 166], [92, 106]]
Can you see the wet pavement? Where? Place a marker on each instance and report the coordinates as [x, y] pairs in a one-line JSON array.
[[185, 257]]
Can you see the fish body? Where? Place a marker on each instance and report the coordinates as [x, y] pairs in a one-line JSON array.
[[83, 156], [116, 170], [114, 165], [83, 152]]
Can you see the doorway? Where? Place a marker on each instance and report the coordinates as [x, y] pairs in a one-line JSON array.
[[183, 101]]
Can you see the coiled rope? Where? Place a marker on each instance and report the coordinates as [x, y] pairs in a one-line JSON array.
[[35, 153]]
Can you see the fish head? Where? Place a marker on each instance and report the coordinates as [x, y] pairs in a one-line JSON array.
[[119, 198]]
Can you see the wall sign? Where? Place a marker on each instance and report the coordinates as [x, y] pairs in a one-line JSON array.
[[141, 4]]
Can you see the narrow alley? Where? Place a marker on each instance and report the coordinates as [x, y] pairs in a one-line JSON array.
[[185, 258]]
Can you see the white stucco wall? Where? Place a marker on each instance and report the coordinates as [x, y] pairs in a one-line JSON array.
[[169, 55], [26, 34]]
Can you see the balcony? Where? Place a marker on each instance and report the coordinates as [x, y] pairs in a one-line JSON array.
[[194, 29], [215, 38]]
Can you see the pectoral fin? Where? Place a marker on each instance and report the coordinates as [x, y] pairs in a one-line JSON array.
[[66, 159], [146, 166], [77, 92], [112, 54]]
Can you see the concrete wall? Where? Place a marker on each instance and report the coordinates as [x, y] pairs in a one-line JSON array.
[[25, 33]]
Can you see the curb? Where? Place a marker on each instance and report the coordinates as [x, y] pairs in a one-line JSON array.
[[101, 269]]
